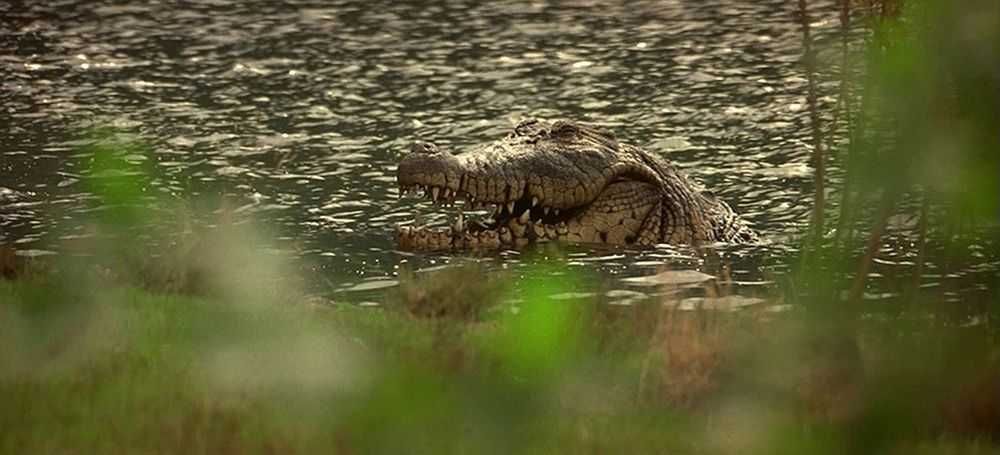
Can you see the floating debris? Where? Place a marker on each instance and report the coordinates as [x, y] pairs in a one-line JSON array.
[[372, 285], [727, 303], [670, 277]]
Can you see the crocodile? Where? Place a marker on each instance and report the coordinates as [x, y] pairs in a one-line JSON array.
[[561, 181]]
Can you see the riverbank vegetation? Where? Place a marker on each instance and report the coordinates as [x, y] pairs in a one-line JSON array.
[[104, 368], [210, 344]]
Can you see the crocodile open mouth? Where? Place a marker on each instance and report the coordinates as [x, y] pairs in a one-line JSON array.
[[483, 224], [559, 181]]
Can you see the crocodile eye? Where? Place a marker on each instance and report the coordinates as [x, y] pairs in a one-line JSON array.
[[423, 147], [563, 128]]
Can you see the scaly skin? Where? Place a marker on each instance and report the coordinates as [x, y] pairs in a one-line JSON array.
[[563, 181]]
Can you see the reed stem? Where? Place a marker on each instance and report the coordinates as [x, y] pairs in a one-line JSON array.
[[819, 166]]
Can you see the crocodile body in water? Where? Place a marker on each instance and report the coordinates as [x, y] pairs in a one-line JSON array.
[[562, 181]]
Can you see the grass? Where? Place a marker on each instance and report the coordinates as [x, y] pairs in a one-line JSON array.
[[116, 369]]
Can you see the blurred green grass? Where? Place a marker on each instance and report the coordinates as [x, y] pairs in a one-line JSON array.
[[121, 369]]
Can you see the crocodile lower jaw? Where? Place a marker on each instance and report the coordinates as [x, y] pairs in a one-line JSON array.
[[512, 224]]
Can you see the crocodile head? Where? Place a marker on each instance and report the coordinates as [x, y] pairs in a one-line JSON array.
[[549, 181]]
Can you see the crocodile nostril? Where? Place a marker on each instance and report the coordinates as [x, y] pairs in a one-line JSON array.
[[423, 147]]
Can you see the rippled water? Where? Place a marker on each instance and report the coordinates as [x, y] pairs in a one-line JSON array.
[[301, 110]]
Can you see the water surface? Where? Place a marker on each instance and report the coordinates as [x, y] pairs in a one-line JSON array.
[[300, 110]]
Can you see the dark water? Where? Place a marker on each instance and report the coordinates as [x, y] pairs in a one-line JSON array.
[[301, 110]]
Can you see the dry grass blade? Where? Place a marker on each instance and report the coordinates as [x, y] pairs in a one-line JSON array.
[[874, 243]]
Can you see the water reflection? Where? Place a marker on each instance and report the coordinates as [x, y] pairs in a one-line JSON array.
[[300, 110]]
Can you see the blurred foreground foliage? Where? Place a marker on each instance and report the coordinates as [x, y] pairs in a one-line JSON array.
[[120, 369], [920, 108], [914, 135], [208, 345]]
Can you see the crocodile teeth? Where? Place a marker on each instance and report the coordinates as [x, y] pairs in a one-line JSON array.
[[539, 230], [545, 210], [550, 232], [447, 193], [459, 223], [518, 229], [505, 236], [525, 216], [534, 201], [434, 193], [510, 207]]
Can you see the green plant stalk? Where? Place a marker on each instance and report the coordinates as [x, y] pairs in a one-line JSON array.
[[819, 203]]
